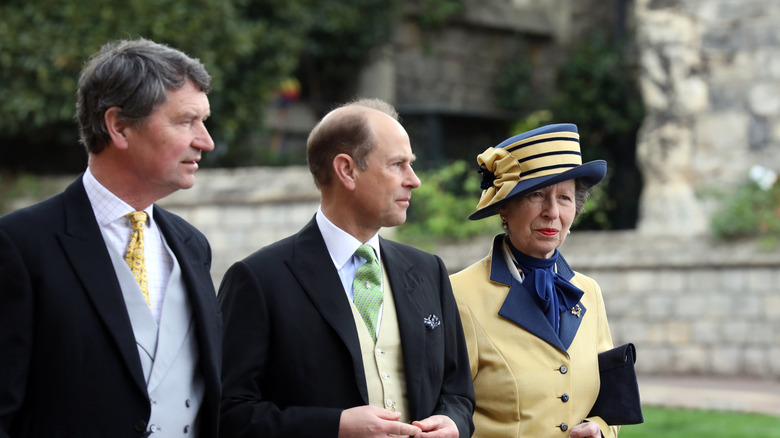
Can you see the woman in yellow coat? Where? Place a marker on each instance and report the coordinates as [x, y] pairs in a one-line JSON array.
[[533, 326]]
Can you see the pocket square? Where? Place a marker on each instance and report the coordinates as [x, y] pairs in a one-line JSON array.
[[431, 322]]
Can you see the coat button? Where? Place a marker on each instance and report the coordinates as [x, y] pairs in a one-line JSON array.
[[564, 398], [187, 429], [564, 427], [187, 403], [563, 369], [140, 425]]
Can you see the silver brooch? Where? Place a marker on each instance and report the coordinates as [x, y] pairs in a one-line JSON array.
[[576, 310], [431, 322]]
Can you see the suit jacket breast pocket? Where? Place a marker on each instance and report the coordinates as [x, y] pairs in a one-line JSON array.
[[434, 334]]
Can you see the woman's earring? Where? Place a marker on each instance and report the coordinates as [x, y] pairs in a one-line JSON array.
[[568, 232]]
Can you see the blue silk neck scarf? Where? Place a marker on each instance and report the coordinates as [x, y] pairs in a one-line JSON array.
[[553, 293]]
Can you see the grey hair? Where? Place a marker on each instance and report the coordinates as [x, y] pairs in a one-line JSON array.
[[135, 76], [581, 195]]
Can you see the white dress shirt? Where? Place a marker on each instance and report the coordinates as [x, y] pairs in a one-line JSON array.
[[341, 247], [110, 213]]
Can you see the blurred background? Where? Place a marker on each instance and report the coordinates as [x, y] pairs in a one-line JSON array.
[[681, 97]]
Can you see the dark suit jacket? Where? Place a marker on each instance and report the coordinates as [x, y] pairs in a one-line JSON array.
[[291, 350], [69, 365]]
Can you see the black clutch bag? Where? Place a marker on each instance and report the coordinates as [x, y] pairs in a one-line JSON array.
[[618, 400]]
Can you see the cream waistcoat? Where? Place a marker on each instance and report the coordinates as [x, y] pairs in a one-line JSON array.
[[383, 362]]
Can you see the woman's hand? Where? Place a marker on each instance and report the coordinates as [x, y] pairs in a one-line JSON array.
[[588, 429]]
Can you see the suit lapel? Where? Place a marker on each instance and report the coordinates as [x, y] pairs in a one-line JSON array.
[[405, 285], [84, 245], [324, 288], [520, 308]]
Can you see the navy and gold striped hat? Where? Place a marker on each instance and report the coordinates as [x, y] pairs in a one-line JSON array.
[[530, 161]]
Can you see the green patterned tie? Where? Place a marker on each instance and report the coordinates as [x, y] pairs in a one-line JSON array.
[[367, 288], [135, 252]]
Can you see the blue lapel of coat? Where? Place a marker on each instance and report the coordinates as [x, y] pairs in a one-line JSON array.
[[570, 322], [405, 283], [87, 253], [521, 309], [195, 263], [323, 286]]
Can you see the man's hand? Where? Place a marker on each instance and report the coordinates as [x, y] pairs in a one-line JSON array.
[[371, 421], [588, 429], [437, 426]]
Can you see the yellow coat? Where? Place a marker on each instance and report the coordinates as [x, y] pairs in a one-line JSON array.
[[529, 382]]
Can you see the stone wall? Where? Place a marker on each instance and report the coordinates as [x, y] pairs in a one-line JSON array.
[[710, 78], [692, 306], [453, 69], [242, 210]]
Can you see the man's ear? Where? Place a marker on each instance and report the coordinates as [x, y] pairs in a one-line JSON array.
[[116, 127], [345, 170]]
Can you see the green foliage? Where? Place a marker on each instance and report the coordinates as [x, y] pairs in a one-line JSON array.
[[441, 205], [248, 47], [683, 423], [434, 13], [340, 41], [534, 120], [513, 88], [596, 90], [749, 211]]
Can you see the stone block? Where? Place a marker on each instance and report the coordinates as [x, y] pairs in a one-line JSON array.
[[736, 332], [703, 279], [691, 360], [611, 283], [689, 306], [756, 361], [727, 360], [764, 98], [762, 279], [773, 357], [771, 306], [659, 306], [705, 332], [732, 279], [653, 359], [748, 305], [619, 301], [719, 305], [678, 333], [637, 333], [672, 281], [645, 280], [769, 59], [237, 217]]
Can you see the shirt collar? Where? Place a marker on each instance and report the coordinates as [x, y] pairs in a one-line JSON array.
[[341, 245], [107, 206]]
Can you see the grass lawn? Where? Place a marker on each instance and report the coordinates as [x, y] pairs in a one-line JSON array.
[[682, 423]]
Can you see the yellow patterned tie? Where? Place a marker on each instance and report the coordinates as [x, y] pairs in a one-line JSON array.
[[135, 252], [367, 288]]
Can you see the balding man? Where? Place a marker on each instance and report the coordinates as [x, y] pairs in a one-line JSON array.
[[335, 331]]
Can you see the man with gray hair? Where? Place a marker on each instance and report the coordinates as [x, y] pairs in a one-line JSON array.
[[108, 319]]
